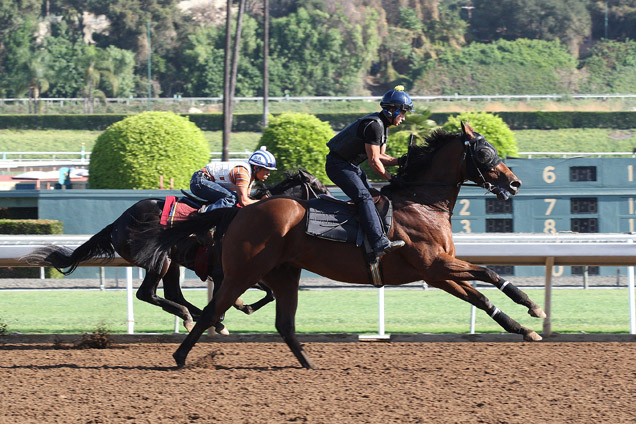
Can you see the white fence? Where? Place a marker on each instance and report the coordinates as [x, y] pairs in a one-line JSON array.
[[215, 100], [546, 250]]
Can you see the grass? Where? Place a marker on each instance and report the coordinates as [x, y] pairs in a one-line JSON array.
[[327, 311], [565, 140], [73, 140]]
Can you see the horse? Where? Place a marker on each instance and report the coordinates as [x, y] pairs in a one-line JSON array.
[[267, 241], [125, 236]]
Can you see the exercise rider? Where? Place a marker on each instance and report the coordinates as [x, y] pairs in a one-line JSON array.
[[365, 139]]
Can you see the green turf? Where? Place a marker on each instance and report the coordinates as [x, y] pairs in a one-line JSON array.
[[326, 311], [72, 140], [565, 140]]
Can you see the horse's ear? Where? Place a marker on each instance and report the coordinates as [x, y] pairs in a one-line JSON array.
[[468, 131]]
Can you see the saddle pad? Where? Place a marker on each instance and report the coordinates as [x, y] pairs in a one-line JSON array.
[[177, 208], [332, 220], [338, 221]]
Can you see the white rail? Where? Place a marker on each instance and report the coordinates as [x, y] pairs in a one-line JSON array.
[[446, 98], [547, 250]]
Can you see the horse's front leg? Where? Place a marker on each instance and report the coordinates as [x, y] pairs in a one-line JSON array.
[[465, 291], [284, 280], [449, 267], [212, 314]]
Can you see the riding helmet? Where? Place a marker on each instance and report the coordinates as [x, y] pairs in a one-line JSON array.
[[263, 158], [396, 98]]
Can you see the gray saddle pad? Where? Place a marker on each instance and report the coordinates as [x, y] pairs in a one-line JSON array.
[[333, 219]]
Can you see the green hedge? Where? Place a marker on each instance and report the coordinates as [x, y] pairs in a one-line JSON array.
[[253, 122], [29, 226]]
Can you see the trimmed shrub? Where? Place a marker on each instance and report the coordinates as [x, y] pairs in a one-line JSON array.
[[30, 226], [135, 152], [490, 126], [297, 140]]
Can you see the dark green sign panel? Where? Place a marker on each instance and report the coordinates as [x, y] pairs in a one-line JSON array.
[[578, 195]]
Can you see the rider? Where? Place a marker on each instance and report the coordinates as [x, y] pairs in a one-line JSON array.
[[227, 184], [365, 139]]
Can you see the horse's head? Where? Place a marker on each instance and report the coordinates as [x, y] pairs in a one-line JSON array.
[[301, 184], [314, 185], [484, 167], [452, 159]]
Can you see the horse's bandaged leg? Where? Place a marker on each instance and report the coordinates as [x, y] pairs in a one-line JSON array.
[[505, 321], [514, 293]]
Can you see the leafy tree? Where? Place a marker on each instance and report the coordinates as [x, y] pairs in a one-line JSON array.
[[621, 19], [490, 126], [96, 65], [15, 51], [610, 67], [502, 67], [307, 52], [298, 140], [565, 20], [133, 153]]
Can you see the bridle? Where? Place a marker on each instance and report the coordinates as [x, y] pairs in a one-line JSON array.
[[485, 166], [472, 148]]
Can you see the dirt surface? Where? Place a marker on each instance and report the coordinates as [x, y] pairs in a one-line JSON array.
[[362, 382]]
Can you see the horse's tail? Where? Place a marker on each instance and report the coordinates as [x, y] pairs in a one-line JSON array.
[[61, 257], [155, 241]]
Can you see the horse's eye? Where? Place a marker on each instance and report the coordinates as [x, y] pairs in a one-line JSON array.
[[485, 155]]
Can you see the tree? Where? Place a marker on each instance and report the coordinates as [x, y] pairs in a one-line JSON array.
[[96, 65], [490, 126], [135, 152], [501, 67], [621, 19], [610, 67], [565, 20], [297, 140]]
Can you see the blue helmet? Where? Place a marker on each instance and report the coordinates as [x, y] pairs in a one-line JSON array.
[[396, 98], [263, 158]]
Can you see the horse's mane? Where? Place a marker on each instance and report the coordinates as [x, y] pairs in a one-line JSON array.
[[420, 156]]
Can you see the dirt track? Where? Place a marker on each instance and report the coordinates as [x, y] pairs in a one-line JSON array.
[[356, 383]]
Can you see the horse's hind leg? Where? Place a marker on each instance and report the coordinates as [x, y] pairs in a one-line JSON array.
[[250, 309], [463, 290], [284, 281], [458, 270], [519, 297], [148, 293]]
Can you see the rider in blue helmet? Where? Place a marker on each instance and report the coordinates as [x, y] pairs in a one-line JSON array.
[[228, 184], [365, 139]]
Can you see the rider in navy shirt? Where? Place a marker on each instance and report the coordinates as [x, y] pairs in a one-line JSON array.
[[366, 139]]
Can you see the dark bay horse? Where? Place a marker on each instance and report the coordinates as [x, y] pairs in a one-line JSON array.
[[125, 236], [267, 241]]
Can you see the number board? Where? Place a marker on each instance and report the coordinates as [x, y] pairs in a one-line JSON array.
[[582, 195]]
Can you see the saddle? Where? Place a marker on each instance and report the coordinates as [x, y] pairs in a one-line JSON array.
[[337, 220], [178, 208]]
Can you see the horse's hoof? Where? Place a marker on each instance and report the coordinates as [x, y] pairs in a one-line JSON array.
[[537, 312], [179, 359], [189, 325], [532, 336], [221, 329]]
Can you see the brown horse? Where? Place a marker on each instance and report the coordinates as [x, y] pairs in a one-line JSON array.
[[268, 242], [125, 236]]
